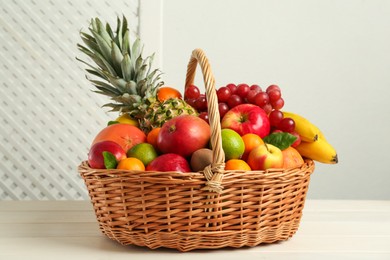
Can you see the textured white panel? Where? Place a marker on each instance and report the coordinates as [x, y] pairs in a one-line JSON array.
[[48, 113]]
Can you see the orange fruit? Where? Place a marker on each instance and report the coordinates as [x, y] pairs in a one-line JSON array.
[[291, 158], [144, 152], [123, 134], [237, 164], [131, 163], [251, 141], [232, 144], [166, 93], [151, 137]]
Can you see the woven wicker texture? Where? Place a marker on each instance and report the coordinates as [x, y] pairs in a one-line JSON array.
[[209, 209], [48, 113]]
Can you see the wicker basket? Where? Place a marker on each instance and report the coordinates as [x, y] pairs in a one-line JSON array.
[[198, 210]]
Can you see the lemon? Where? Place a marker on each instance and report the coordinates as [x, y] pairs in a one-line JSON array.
[[145, 152], [232, 144], [127, 119]]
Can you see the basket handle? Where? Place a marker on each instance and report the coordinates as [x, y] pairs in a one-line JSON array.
[[213, 172]]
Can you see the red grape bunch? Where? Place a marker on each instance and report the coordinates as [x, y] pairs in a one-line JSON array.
[[232, 95]]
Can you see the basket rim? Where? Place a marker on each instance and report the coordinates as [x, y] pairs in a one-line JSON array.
[[87, 172]]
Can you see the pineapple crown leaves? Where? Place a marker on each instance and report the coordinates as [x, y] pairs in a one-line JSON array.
[[121, 72]]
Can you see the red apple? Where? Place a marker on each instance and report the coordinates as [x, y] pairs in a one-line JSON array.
[[245, 119], [265, 156], [169, 162], [183, 135], [95, 155]]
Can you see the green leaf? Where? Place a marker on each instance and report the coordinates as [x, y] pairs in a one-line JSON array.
[[110, 161], [104, 46], [126, 67], [117, 57], [126, 43], [281, 140], [112, 123]]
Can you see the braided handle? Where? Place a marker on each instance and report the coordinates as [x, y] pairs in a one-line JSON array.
[[214, 172]]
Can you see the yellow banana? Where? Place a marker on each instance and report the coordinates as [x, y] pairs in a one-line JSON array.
[[319, 150], [307, 131]]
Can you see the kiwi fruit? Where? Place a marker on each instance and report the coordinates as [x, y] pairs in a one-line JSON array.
[[200, 159]]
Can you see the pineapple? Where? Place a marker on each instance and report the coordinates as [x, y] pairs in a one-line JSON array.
[[124, 76]]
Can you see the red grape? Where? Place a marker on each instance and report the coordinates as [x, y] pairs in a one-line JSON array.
[[232, 87], [201, 103], [298, 141], [275, 117], [234, 100], [223, 94], [272, 87], [250, 98], [267, 108], [261, 99], [278, 104], [287, 125], [256, 87], [191, 92], [242, 90], [274, 95], [223, 108], [191, 102], [204, 116]]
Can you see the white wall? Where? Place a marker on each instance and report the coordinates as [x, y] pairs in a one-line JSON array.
[[48, 113], [331, 59]]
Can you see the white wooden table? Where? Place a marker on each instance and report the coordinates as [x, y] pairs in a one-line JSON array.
[[68, 230]]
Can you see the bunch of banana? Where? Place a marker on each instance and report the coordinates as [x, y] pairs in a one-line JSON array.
[[314, 145]]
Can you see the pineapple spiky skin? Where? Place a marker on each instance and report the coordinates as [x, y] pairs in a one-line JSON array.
[[160, 112], [123, 75]]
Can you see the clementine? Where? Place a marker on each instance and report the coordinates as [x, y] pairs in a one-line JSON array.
[[131, 163], [152, 136], [251, 141], [166, 93], [237, 164]]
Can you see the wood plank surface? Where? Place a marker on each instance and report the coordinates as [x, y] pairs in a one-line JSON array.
[[64, 229]]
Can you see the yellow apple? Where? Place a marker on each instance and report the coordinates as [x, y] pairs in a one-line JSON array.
[[265, 156]]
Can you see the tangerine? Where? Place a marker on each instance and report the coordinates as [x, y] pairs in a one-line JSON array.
[[237, 164], [166, 93], [132, 164], [151, 137], [251, 141]]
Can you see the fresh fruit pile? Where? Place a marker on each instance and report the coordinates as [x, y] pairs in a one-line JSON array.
[[159, 129]]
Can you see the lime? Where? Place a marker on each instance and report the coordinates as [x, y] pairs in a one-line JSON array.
[[232, 144], [144, 152]]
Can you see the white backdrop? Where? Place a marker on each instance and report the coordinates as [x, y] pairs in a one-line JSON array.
[[331, 59]]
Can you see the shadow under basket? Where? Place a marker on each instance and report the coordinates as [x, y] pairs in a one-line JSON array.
[[199, 210]]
